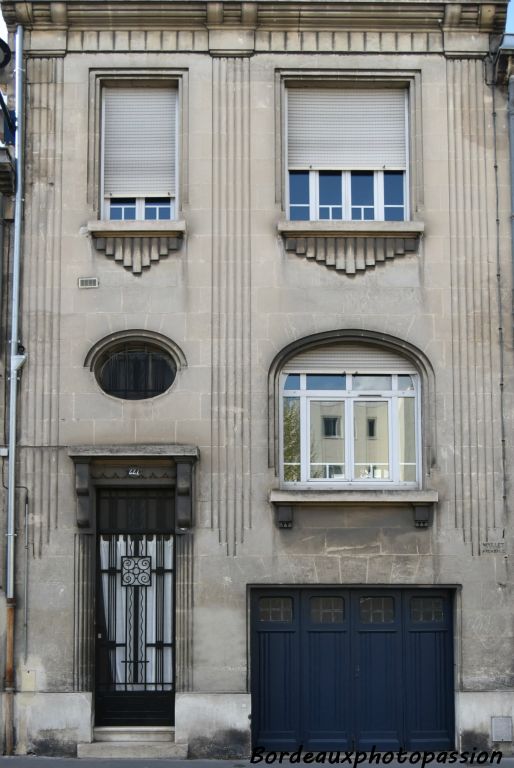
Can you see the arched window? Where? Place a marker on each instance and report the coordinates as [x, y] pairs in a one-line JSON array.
[[349, 415], [135, 365]]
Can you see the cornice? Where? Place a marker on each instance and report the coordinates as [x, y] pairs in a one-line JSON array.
[[301, 15]]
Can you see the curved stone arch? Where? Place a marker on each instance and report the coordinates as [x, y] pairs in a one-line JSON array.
[[137, 336], [409, 351]]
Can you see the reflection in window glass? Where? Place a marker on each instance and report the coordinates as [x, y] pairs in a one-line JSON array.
[[291, 432], [405, 383], [326, 381], [407, 438], [276, 609], [376, 610], [426, 609], [299, 195], [363, 196], [327, 610], [292, 381], [371, 454], [371, 383], [326, 452]]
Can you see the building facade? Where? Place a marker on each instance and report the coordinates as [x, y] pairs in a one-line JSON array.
[[265, 420]]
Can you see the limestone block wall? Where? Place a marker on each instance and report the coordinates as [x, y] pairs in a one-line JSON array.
[[232, 296]]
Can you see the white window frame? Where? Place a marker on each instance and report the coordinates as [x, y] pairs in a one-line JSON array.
[[346, 194], [346, 175], [350, 397], [105, 200]]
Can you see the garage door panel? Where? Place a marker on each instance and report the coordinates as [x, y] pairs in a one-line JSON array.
[[325, 669]]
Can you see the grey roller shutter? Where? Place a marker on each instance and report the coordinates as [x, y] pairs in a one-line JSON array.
[[140, 141], [349, 358], [347, 129]]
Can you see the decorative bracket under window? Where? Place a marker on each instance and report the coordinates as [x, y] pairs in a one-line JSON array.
[[351, 246], [136, 245], [421, 503]]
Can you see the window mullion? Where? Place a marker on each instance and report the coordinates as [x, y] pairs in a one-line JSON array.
[[379, 196], [349, 438], [314, 195], [347, 203], [394, 437], [304, 438]]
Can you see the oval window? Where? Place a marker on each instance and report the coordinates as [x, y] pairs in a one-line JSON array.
[[135, 371]]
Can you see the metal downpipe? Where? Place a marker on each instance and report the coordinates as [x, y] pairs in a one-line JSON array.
[[17, 360], [511, 150]]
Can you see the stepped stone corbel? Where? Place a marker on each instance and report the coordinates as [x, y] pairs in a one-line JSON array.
[[136, 245], [351, 246]]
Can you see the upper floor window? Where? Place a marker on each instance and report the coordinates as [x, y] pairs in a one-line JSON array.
[[350, 428], [347, 154], [139, 153]]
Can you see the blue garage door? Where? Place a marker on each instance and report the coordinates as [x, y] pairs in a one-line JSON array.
[[337, 669]]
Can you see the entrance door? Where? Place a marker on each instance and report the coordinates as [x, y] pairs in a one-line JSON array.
[[134, 613], [336, 669]]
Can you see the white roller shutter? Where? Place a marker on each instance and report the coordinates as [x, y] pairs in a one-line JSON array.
[[139, 141], [349, 358], [347, 129]]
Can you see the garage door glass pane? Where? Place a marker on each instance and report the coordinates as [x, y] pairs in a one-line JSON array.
[[326, 440], [371, 444], [327, 610], [426, 609], [376, 610], [276, 609]]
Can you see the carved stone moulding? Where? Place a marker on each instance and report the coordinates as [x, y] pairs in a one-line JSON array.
[[136, 245], [351, 247], [134, 465]]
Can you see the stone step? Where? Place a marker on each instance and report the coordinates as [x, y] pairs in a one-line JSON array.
[[134, 733], [145, 750]]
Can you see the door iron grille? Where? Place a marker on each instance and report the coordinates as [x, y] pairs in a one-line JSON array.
[[134, 660]]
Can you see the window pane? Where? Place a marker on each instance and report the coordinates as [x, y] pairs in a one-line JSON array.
[[291, 432], [299, 213], [276, 609], [133, 373], [376, 610], [299, 187], [159, 208], [292, 381], [330, 189], [405, 383], [392, 213], [362, 188], [393, 188], [326, 451], [407, 438], [371, 460], [326, 381], [327, 610], [426, 609], [122, 209], [372, 383]]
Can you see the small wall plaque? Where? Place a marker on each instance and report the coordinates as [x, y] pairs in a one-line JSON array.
[[134, 472], [493, 548], [501, 728]]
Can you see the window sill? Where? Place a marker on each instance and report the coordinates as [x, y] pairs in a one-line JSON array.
[[351, 246], [136, 245], [354, 496]]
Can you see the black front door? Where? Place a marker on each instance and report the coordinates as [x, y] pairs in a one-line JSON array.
[[342, 669], [134, 608]]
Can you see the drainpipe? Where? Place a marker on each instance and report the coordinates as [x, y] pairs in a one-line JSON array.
[[511, 146], [17, 360]]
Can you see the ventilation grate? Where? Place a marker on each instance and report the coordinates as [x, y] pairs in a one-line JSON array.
[[88, 282]]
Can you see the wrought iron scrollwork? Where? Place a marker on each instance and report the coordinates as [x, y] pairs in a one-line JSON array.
[[136, 571]]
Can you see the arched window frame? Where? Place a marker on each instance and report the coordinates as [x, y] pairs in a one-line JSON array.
[[426, 406]]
